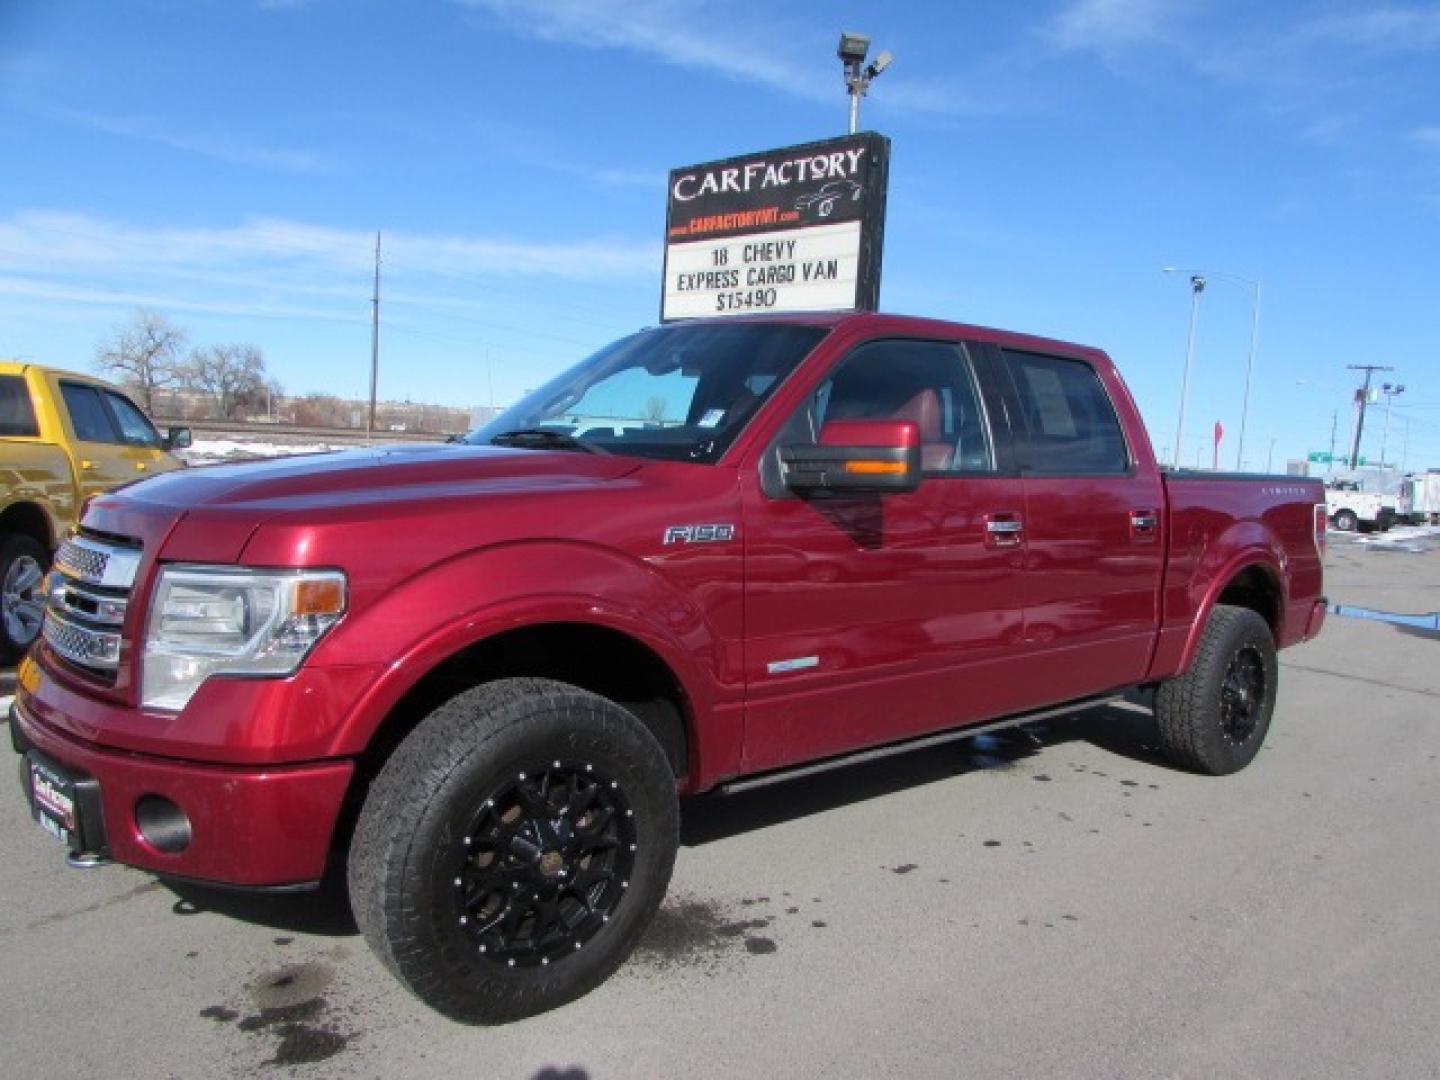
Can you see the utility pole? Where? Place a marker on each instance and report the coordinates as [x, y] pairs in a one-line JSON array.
[[1362, 398], [1334, 423], [374, 340]]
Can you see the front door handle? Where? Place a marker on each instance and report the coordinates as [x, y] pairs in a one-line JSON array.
[[1144, 524], [1004, 530]]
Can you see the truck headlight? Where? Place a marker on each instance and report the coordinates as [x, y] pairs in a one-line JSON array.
[[210, 620]]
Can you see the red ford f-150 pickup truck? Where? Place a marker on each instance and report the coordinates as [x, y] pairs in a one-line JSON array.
[[481, 674]]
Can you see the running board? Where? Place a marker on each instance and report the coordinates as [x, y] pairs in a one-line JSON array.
[[747, 783]]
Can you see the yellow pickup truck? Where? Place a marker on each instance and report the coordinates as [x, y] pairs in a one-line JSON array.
[[63, 438]]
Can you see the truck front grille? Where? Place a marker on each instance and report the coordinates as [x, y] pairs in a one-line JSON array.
[[88, 598]]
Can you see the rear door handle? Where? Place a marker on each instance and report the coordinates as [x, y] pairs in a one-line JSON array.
[[1004, 530]]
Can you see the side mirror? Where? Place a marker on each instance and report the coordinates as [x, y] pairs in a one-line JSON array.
[[178, 438], [858, 456]]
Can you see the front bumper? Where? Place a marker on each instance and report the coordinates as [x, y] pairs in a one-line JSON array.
[[249, 826]]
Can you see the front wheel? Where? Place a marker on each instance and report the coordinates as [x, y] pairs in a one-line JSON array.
[[22, 601], [1345, 520], [1213, 718], [514, 848]]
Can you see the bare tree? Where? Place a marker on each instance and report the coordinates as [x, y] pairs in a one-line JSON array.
[[322, 410], [144, 355], [232, 375]]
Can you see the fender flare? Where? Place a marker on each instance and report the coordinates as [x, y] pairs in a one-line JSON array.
[[1253, 556], [635, 601]]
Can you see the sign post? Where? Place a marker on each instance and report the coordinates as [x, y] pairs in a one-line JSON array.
[[795, 229]]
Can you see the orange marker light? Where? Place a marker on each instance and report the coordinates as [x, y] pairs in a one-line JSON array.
[[876, 468], [322, 597]]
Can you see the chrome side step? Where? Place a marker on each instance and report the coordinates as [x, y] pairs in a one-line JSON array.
[[748, 783]]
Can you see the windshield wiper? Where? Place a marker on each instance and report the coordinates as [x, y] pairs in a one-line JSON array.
[[544, 439]]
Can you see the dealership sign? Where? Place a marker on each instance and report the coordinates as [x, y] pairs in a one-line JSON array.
[[797, 229]]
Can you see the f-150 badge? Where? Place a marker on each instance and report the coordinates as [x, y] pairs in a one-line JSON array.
[[698, 534]]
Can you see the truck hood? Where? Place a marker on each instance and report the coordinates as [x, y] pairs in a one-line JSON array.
[[329, 481]]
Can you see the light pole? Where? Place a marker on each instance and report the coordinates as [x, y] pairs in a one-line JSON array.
[[852, 50], [1197, 286], [1391, 391], [1254, 284]]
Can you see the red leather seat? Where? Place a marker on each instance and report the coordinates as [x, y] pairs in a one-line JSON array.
[[924, 409]]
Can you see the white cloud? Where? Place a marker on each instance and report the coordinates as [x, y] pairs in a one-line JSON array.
[[220, 146], [692, 34], [54, 241], [1110, 26], [675, 31], [1400, 29]]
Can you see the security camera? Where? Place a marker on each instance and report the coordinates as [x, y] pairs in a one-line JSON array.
[[881, 63], [853, 47]]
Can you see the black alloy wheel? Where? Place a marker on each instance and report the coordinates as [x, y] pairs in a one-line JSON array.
[[1242, 695], [513, 849], [1213, 717], [545, 863]]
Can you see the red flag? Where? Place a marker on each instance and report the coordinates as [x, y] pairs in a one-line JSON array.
[[1215, 451], [1219, 432]]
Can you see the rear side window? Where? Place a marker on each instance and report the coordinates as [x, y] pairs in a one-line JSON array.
[[1070, 425], [87, 413], [17, 414]]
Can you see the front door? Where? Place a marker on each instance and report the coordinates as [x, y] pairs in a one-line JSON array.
[[873, 618], [113, 441]]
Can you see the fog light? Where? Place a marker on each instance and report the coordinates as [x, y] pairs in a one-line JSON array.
[[163, 825]]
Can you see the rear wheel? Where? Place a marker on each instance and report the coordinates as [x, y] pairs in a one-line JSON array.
[[514, 848], [22, 602], [1213, 719]]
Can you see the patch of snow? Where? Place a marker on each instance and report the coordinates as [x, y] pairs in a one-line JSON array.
[[216, 451]]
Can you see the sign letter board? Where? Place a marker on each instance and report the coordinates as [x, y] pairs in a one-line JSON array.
[[796, 229]]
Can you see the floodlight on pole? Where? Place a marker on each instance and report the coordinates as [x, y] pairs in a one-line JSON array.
[[1254, 284], [852, 50], [1197, 286]]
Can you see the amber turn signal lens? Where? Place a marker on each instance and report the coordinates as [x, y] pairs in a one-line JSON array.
[[325, 596], [876, 468]]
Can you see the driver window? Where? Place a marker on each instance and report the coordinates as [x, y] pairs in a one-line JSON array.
[[929, 382]]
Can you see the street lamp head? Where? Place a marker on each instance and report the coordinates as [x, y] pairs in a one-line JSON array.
[[1197, 282], [853, 47], [881, 63]]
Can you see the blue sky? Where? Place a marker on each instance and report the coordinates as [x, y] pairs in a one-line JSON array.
[[227, 162]]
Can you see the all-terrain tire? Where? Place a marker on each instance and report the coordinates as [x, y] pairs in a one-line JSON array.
[[1213, 718], [514, 848], [23, 562]]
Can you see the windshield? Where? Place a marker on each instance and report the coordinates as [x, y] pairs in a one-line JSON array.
[[678, 392]]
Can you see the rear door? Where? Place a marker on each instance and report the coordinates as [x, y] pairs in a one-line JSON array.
[[1093, 518], [870, 618]]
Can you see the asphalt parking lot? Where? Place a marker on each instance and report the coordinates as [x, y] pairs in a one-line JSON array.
[[1054, 903]]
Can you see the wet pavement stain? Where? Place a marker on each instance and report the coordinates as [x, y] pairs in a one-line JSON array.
[[905, 868], [992, 843], [289, 1004], [1041, 777], [760, 946], [696, 934]]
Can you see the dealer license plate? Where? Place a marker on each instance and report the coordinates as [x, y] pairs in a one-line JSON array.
[[52, 800]]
